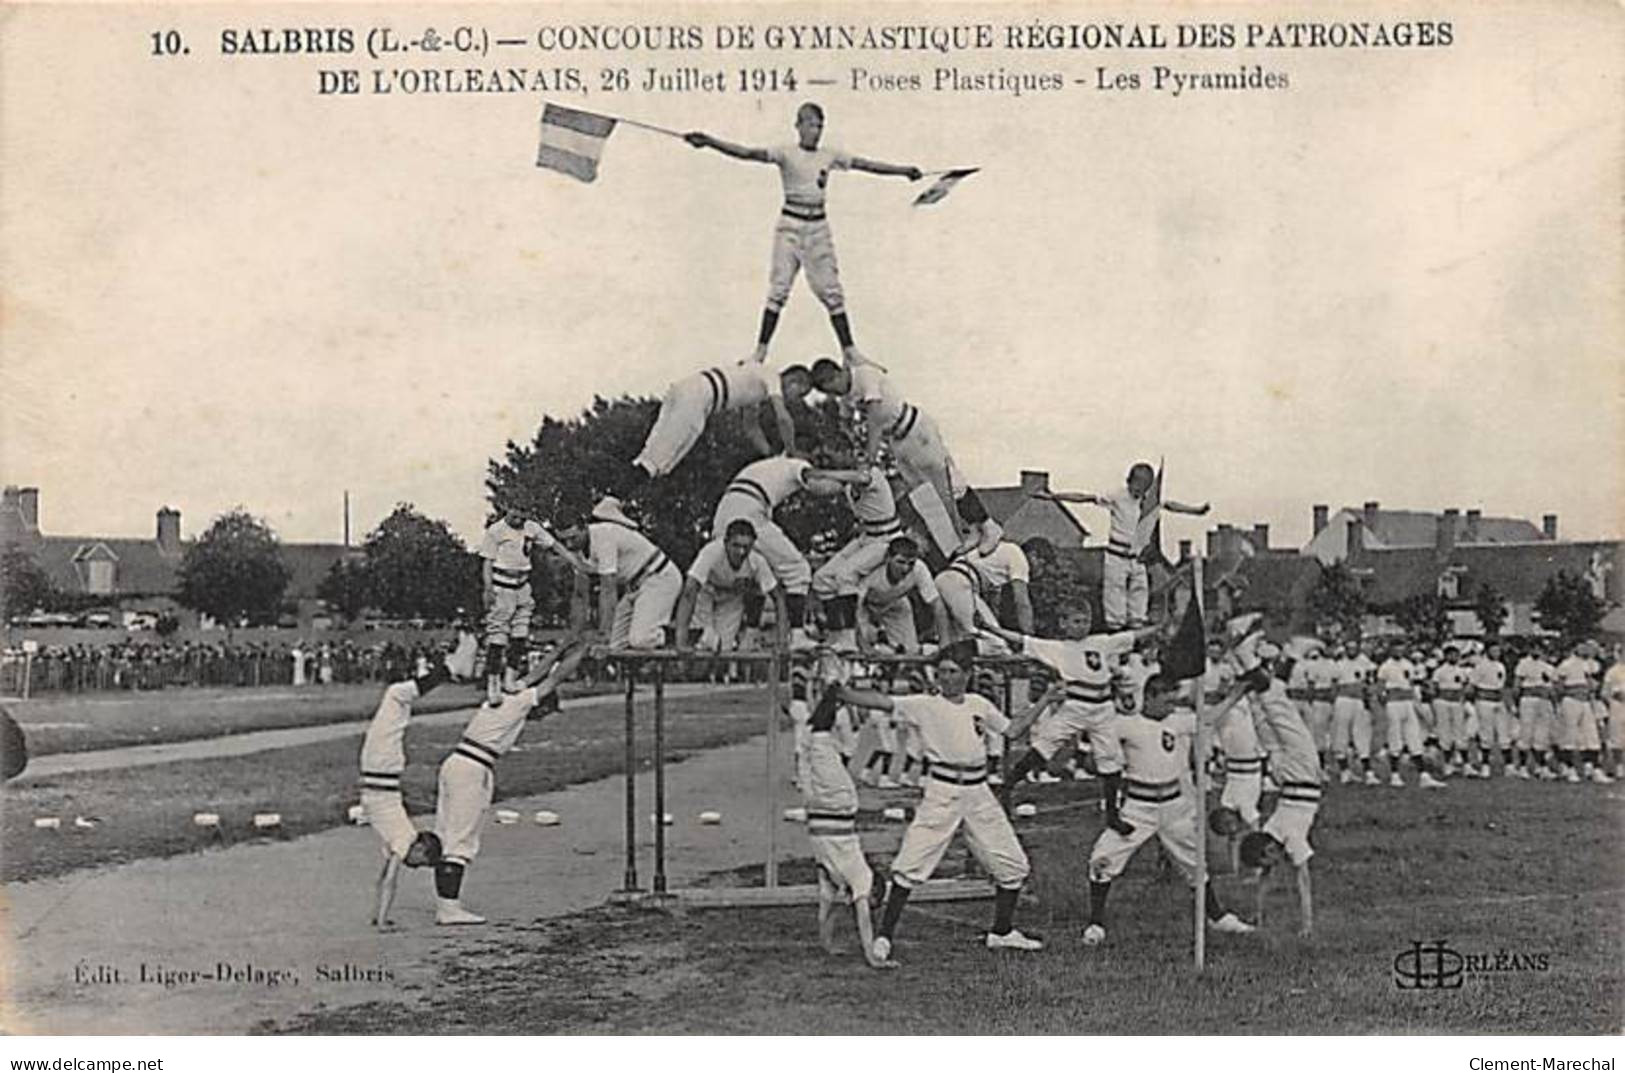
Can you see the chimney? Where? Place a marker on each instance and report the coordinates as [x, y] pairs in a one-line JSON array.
[[1184, 551], [1356, 548], [1322, 513], [1034, 481], [28, 507], [1548, 525], [1261, 537], [1444, 540], [1469, 535], [1213, 542], [1369, 514], [169, 531]]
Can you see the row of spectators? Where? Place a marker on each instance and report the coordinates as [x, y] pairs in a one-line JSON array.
[[82, 668]]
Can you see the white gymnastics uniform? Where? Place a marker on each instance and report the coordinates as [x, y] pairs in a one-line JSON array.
[[694, 400], [1086, 669], [878, 526], [650, 584], [1156, 757], [509, 551], [383, 758], [801, 237], [723, 589], [468, 774], [754, 493], [831, 800], [956, 791]]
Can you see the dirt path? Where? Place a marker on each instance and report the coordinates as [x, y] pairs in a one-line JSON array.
[[258, 933]]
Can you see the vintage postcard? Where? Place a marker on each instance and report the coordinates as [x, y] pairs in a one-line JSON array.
[[814, 518]]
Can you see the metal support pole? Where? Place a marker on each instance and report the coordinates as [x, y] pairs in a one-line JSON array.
[[770, 805], [1004, 757], [660, 778], [1201, 750], [630, 883]]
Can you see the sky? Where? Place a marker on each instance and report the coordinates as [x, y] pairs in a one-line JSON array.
[[1399, 280]]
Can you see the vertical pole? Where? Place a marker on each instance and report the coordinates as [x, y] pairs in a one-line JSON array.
[[28, 672], [630, 883], [1004, 757], [1201, 749], [660, 777], [771, 797]]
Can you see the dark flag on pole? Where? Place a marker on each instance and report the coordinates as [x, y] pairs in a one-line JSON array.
[[1148, 533], [1186, 656]]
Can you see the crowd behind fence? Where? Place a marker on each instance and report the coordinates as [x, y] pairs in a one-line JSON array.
[[82, 668]]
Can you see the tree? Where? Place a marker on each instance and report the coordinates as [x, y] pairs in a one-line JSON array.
[[569, 465], [24, 586], [346, 588], [1424, 618], [1338, 601], [234, 572], [416, 567], [1568, 607], [1491, 608], [1057, 581]]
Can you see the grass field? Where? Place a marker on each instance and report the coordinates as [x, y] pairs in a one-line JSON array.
[[147, 811], [84, 721], [1502, 866]]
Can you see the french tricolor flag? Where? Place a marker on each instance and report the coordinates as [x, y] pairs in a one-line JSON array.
[[573, 140]]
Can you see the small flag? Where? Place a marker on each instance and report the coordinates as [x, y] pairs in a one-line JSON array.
[[572, 141], [1187, 652], [945, 183], [1148, 530]]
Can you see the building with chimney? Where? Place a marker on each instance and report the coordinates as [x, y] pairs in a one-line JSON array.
[[1385, 529], [141, 573], [1026, 519], [1396, 555]]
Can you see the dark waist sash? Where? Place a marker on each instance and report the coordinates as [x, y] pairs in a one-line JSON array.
[[1153, 792]]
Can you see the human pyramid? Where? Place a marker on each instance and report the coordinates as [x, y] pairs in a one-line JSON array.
[[1107, 695], [865, 592]]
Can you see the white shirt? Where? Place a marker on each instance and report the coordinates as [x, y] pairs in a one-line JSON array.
[[1395, 675], [496, 729], [1488, 676], [1575, 674], [875, 506], [1613, 690], [509, 549], [777, 479], [878, 590], [1125, 522], [1451, 679], [805, 172], [1238, 737], [712, 570], [999, 567], [826, 785], [737, 387], [383, 750], [879, 398], [1534, 673], [951, 732], [1157, 750], [615, 550], [1085, 666], [1293, 757]]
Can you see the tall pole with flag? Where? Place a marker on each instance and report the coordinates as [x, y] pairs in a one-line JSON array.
[[1186, 661]]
